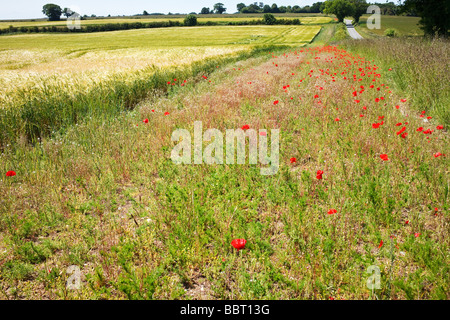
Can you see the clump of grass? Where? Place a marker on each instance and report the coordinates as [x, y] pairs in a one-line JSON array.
[[340, 33], [391, 33]]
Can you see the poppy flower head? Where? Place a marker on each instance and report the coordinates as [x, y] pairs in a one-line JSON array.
[[245, 127], [381, 244], [293, 160], [239, 243], [166, 113], [332, 211], [319, 174], [145, 121], [440, 127], [384, 157], [10, 173]]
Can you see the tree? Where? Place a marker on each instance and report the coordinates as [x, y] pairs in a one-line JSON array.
[[269, 19], [190, 20], [267, 9], [240, 6], [219, 8], [205, 11], [340, 8], [360, 7], [52, 11], [315, 8], [275, 8], [145, 13], [433, 15]]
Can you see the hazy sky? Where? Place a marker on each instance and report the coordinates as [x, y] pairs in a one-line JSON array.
[[27, 9]]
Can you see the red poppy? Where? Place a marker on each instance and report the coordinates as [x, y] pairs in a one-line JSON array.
[[376, 125], [337, 119], [239, 243], [381, 243], [166, 113], [401, 130], [440, 127], [437, 154], [245, 127], [397, 107], [205, 77], [145, 121], [10, 173], [404, 135], [293, 160], [417, 234], [319, 174], [384, 157], [403, 100], [332, 211], [419, 129], [276, 102], [407, 221], [316, 96], [399, 124], [361, 115]]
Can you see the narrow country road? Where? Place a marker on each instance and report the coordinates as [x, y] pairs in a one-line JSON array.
[[351, 30]]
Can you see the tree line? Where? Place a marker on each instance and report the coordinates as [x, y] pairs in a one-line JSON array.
[[434, 14]]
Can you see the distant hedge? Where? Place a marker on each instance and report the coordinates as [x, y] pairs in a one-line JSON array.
[[138, 25]]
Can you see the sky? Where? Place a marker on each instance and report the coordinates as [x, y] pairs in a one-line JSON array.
[[30, 9]]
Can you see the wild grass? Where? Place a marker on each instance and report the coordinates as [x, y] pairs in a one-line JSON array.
[[419, 70], [104, 194]]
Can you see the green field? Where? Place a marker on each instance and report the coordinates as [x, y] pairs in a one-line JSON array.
[[406, 26], [165, 37], [45, 23]]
